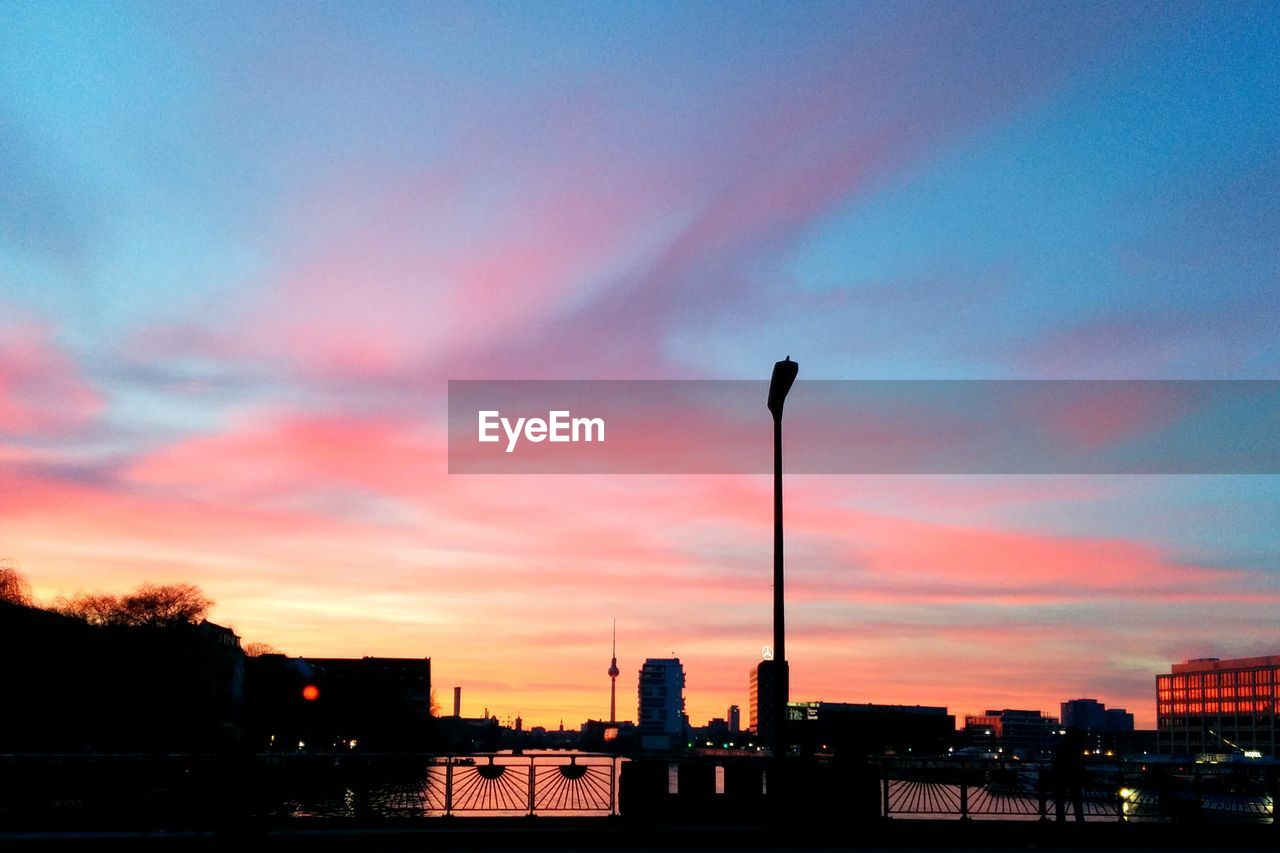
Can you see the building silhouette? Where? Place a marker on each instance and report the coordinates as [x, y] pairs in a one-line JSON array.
[[1013, 732], [326, 704], [1213, 706], [662, 720], [69, 686], [734, 718], [1090, 715], [857, 730], [763, 681], [1108, 731]]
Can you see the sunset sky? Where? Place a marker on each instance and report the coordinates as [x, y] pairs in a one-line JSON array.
[[243, 248]]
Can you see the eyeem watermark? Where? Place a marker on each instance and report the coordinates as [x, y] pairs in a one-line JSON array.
[[559, 426], [866, 427]]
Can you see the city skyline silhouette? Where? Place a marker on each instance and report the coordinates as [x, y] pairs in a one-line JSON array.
[[260, 265]]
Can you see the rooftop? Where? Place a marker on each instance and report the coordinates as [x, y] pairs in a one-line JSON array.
[[1211, 664]]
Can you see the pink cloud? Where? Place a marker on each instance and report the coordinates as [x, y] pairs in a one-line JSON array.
[[682, 562], [328, 534], [42, 392], [539, 240]]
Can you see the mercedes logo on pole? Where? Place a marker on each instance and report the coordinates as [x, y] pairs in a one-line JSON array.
[[766, 653]]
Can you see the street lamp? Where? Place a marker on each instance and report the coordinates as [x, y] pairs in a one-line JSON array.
[[784, 376]]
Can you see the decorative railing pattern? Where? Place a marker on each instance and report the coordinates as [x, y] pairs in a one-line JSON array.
[[534, 784], [1115, 791], [197, 789]]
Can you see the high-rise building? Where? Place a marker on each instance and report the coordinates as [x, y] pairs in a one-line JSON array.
[[734, 717], [1212, 706], [662, 720]]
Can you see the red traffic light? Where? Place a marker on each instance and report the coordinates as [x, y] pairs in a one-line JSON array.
[[311, 693]]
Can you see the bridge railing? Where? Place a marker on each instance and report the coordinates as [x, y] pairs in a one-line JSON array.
[[200, 789], [532, 784], [1154, 790]]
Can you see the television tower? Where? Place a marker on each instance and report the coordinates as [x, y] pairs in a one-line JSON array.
[[613, 677]]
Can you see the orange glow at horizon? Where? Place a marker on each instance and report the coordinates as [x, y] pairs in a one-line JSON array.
[[882, 607], [344, 536]]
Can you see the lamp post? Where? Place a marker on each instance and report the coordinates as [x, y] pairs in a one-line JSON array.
[[784, 376]]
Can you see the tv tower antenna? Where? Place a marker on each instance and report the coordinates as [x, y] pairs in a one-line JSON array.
[[613, 677]]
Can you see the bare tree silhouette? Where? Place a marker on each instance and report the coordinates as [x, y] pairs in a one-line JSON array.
[[258, 649], [14, 588], [148, 605]]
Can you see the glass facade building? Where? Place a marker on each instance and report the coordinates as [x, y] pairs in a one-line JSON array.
[[1212, 706]]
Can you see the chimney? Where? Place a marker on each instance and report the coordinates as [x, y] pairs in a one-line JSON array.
[[457, 701]]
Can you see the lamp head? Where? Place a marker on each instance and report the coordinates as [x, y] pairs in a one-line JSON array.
[[784, 376]]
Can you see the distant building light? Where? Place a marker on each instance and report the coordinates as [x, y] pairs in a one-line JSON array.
[[311, 693]]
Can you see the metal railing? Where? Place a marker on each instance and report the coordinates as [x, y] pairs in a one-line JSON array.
[[531, 784], [1152, 790], [203, 789]]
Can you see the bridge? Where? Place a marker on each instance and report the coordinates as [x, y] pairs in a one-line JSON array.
[[608, 798]]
